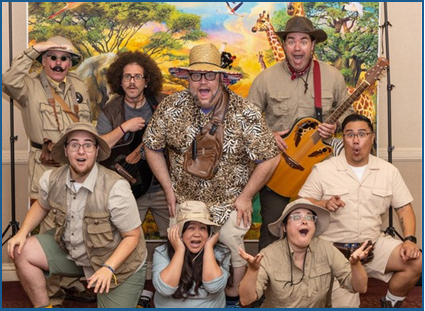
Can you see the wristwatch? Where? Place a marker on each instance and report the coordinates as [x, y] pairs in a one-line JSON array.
[[410, 238]]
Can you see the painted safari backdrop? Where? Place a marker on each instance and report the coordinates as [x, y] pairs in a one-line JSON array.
[[243, 32]]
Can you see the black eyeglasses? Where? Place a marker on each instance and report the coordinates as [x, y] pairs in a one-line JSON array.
[[53, 57], [361, 135], [197, 76], [127, 77]]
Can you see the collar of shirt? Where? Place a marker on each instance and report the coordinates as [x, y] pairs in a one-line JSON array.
[[90, 181], [55, 83]]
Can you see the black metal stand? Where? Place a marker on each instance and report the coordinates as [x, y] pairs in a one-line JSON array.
[[390, 230], [13, 223]]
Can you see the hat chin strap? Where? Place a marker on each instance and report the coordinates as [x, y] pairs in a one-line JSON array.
[[197, 255]]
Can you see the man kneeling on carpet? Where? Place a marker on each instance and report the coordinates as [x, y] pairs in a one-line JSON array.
[[302, 266], [97, 230]]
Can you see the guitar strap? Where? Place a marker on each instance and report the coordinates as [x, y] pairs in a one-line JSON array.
[[317, 91]]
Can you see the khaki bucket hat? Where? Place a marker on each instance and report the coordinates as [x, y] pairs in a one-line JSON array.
[[58, 150], [194, 211], [205, 57], [322, 214], [303, 25], [76, 57]]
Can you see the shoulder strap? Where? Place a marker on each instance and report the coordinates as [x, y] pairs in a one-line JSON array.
[[220, 108], [317, 90], [52, 96]]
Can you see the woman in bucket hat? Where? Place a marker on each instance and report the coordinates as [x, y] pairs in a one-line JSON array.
[[247, 158], [191, 270], [297, 271]]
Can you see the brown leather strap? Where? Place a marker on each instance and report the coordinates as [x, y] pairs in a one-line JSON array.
[[64, 106]]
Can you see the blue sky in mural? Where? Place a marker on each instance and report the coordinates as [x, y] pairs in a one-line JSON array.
[[215, 14]]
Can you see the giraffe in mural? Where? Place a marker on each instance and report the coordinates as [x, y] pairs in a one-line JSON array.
[[260, 59], [263, 24], [364, 105], [295, 9]]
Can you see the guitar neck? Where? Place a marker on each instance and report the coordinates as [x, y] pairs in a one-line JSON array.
[[333, 118]]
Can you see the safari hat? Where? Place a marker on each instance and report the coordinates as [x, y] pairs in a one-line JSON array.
[[76, 57], [304, 25], [194, 211], [58, 150], [322, 214], [205, 57]]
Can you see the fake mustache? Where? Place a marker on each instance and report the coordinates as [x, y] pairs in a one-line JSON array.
[[58, 69]]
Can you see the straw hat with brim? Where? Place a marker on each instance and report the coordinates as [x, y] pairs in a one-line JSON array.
[[207, 58], [322, 214], [303, 25], [58, 150], [194, 211], [76, 57]]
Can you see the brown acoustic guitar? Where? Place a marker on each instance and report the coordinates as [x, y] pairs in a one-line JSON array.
[[305, 146]]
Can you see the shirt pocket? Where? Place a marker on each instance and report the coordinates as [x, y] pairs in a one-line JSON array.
[[48, 117], [381, 199], [99, 233], [58, 217], [84, 114], [283, 288], [279, 103], [331, 192], [320, 280]]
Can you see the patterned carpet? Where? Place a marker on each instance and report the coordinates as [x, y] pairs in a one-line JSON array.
[[13, 296]]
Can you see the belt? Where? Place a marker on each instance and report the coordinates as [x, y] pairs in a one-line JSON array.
[[348, 248], [35, 145], [348, 245]]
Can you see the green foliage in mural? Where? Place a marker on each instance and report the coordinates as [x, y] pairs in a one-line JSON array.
[[103, 27]]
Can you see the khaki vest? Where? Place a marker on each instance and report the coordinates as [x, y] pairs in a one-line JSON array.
[[100, 235]]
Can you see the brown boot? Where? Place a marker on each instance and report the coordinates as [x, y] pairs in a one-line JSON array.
[[388, 304]]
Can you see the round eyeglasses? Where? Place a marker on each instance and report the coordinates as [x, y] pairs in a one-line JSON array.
[[88, 147], [197, 76], [53, 57], [137, 77]]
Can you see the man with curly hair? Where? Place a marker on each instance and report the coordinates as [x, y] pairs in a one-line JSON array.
[[136, 80]]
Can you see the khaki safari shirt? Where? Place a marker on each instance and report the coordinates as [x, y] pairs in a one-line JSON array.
[[37, 114], [323, 262], [283, 100], [247, 141], [365, 200]]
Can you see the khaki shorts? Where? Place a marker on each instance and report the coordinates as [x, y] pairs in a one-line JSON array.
[[384, 246], [126, 295], [232, 236]]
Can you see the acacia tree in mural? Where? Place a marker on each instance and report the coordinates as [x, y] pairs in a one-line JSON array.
[[352, 37], [103, 27]]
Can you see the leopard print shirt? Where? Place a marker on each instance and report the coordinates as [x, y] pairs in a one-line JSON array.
[[247, 141]]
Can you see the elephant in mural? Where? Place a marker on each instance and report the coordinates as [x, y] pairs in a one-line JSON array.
[[93, 72]]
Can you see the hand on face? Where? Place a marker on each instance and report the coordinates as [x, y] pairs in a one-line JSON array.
[[175, 239]]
